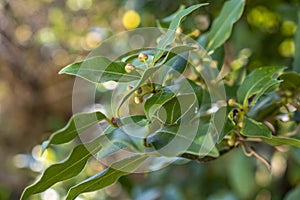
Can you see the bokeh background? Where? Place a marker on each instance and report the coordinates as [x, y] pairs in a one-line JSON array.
[[38, 38]]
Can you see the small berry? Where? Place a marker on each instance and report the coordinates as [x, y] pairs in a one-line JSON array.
[[129, 67], [142, 57]]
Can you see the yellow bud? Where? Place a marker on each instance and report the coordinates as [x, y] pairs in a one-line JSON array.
[[231, 102], [129, 67], [142, 57], [230, 142], [138, 100]]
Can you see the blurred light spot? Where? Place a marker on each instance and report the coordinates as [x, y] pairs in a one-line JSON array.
[[263, 195], [36, 166], [60, 57], [21, 160], [46, 35], [263, 18], [288, 28], [136, 41], [48, 157], [287, 48], [93, 39], [262, 176], [50, 194], [131, 19], [76, 5], [23, 33], [114, 190], [278, 164], [202, 22], [110, 85]]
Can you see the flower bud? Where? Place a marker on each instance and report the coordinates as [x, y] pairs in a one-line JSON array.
[[138, 100], [142, 57], [231, 102], [129, 67]]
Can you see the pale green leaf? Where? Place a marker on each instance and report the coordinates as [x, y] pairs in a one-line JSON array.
[[100, 69], [221, 27]]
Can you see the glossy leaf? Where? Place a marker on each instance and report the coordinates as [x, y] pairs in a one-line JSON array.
[[267, 106], [76, 125], [296, 64], [64, 170], [222, 26], [290, 81], [153, 103], [188, 138], [100, 69], [279, 140], [222, 123], [169, 37], [257, 83], [252, 128], [107, 177]]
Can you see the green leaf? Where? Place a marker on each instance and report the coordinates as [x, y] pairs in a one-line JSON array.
[[252, 128], [169, 37], [267, 106], [64, 170], [290, 81], [100, 69], [76, 125], [226, 127], [177, 65], [296, 64], [221, 27], [107, 177], [257, 83], [293, 194], [277, 141], [156, 101], [147, 74], [174, 140]]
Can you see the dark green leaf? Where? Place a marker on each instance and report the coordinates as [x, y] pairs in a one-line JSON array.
[[222, 123], [293, 194], [221, 27], [107, 176], [100, 69], [258, 83], [267, 106], [76, 125], [153, 103], [296, 64], [290, 81], [169, 37], [252, 128], [188, 138], [64, 170]]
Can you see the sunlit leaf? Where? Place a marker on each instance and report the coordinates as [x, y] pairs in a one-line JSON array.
[[169, 37], [64, 170], [107, 177], [100, 69], [279, 140], [221, 27]]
